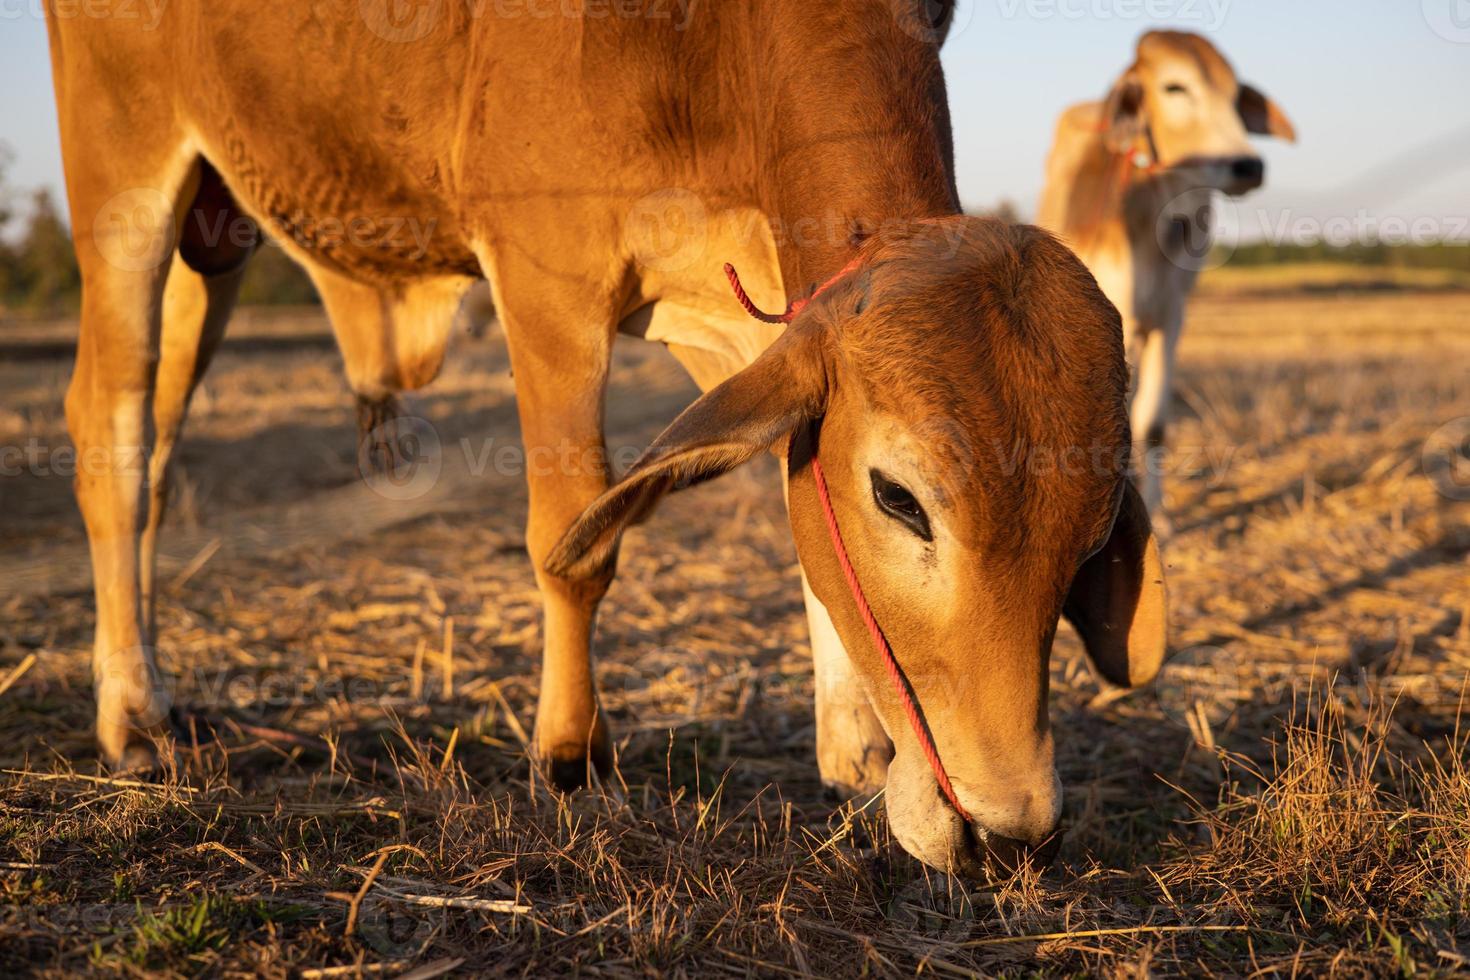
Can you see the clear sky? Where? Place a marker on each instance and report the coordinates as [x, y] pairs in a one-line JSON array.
[[1379, 91]]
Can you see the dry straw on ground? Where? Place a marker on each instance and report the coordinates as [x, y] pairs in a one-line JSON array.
[[1290, 799]]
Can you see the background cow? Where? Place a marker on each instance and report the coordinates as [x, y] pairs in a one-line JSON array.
[[1129, 185]]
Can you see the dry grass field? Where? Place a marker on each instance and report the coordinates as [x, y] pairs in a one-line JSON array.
[[1290, 799]]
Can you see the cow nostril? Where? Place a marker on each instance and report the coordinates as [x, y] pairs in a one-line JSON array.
[[1248, 168], [1009, 855]]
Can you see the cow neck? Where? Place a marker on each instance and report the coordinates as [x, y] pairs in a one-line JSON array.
[[1112, 176], [851, 149], [854, 138]]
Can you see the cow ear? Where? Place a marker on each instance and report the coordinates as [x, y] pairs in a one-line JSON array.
[[1262, 116], [1117, 603], [1123, 116], [727, 426]]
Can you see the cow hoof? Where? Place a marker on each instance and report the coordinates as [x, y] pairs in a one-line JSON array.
[[859, 777], [859, 792], [569, 765], [129, 734], [135, 760], [146, 758]]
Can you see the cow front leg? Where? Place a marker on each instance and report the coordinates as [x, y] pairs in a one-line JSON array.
[[560, 344], [124, 242], [853, 750]]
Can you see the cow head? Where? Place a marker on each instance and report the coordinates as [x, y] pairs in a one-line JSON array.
[[964, 388], [1180, 104]]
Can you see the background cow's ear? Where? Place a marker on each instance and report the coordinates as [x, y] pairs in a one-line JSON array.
[[1262, 116], [1123, 116], [727, 426], [1117, 603]]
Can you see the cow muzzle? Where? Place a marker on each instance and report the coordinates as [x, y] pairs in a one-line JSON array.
[[1246, 174], [1011, 828]]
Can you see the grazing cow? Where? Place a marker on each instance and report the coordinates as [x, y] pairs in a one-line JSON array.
[[1129, 185], [961, 383]]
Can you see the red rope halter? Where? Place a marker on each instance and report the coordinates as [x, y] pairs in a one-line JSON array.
[[901, 685], [1131, 163]]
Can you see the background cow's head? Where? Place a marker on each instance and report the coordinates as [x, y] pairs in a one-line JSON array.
[[964, 388], [1181, 104]]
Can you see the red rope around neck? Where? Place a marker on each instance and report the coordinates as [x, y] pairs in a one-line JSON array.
[[896, 676], [794, 307]]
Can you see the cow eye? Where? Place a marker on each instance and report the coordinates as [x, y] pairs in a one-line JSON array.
[[895, 501]]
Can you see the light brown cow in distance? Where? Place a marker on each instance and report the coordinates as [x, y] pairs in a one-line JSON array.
[[965, 383], [1129, 185]]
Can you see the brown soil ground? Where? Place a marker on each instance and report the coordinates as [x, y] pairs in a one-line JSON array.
[[1289, 798]]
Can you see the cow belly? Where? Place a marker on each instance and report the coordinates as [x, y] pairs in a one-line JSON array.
[[370, 231], [346, 171]]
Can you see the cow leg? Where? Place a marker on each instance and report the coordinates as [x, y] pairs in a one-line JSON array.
[[203, 283], [125, 210], [1150, 413], [560, 344], [853, 750]]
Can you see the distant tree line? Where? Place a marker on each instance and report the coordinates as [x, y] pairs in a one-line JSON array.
[[1445, 255], [38, 268]]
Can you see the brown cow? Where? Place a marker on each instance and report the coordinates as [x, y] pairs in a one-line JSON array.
[[556, 154], [1129, 186]]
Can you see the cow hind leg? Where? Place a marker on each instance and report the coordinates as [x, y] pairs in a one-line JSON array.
[[215, 243]]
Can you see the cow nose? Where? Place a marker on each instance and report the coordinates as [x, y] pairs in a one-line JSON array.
[[1009, 855], [1248, 170]]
